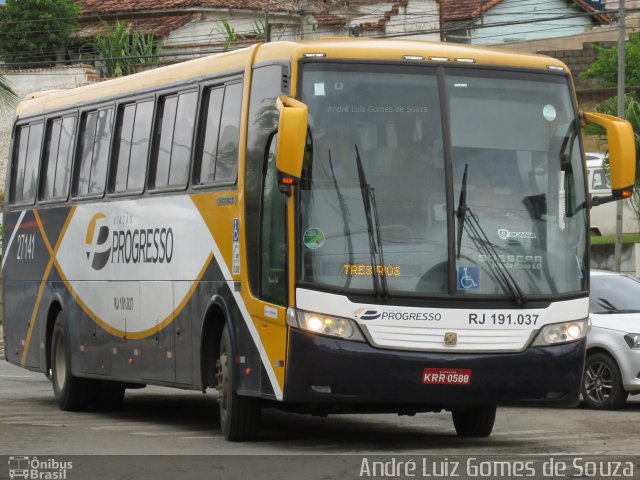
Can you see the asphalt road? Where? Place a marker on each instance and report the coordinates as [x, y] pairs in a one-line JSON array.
[[159, 421]]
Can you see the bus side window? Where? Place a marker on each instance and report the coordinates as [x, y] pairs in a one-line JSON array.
[[132, 147], [172, 151], [94, 139], [218, 152], [56, 165], [206, 158], [25, 163], [227, 157]]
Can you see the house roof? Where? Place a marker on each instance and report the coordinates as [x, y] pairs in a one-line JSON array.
[[158, 25], [109, 7], [460, 10]]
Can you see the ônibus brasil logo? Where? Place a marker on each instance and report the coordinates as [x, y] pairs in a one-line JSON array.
[[98, 247], [127, 245]]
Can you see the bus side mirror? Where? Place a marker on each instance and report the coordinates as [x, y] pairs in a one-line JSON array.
[[292, 138], [622, 155]]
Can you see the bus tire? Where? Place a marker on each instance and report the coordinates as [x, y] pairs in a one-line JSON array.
[[239, 415], [70, 392], [107, 396], [476, 421], [602, 387]]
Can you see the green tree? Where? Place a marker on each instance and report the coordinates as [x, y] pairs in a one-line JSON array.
[[605, 66], [123, 50], [37, 31]]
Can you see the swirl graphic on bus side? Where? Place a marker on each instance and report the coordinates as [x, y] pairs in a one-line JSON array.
[[98, 248]]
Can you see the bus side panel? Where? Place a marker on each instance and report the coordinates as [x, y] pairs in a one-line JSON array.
[[28, 269]]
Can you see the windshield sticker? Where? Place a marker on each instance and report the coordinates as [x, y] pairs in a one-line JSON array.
[[469, 277], [235, 261], [505, 234], [521, 262], [363, 270], [313, 238], [318, 89], [549, 113]]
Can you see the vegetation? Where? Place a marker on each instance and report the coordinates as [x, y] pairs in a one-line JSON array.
[[123, 51], [7, 96], [228, 32], [605, 67], [37, 32], [611, 239]]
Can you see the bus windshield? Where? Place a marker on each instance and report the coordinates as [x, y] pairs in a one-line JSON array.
[[416, 132]]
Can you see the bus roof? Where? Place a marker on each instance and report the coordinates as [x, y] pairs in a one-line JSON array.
[[289, 51]]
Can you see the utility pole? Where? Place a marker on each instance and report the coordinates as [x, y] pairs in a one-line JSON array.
[[621, 114], [267, 27], [346, 17]]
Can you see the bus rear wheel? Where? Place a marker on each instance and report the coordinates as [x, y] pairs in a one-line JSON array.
[[70, 392], [476, 421], [239, 415]]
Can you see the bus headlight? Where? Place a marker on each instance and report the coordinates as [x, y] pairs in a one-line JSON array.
[[564, 332], [325, 324]]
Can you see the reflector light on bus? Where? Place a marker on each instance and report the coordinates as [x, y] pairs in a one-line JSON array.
[[413, 57], [465, 60], [555, 67], [439, 59], [314, 55]]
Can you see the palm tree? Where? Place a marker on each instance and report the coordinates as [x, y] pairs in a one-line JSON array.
[[7, 96]]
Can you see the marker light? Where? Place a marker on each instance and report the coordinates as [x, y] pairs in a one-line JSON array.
[[564, 332], [465, 60], [413, 57], [555, 67], [314, 55], [439, 59], [324, 324], [633, 340]]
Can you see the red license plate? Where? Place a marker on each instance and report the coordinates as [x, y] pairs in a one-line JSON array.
[[446, 376]]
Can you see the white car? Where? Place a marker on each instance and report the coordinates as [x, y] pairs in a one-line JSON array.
[[612, 369]]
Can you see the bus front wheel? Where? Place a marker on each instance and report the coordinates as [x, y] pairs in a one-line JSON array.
[[70, 392], [239, 415], [476, 421]]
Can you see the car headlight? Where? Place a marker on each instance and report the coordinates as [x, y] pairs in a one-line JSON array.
[[324, 324], [564, 332], [633, 340]]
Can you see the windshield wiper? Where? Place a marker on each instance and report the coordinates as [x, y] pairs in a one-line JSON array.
[[345, 217], [482, 242], [375, 241]]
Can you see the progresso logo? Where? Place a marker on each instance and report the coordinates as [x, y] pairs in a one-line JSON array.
[[396, 314], [365, 314], [126, 245], [97, 241]]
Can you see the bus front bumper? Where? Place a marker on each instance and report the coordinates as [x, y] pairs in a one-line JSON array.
[[327, 370]]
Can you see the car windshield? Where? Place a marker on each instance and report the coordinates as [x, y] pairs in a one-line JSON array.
[[614, 294], [516, 135]]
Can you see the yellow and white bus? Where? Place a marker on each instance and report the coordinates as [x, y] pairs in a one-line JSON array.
[[328, 226]]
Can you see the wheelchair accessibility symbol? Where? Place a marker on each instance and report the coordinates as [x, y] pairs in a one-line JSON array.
[[469, 278]]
